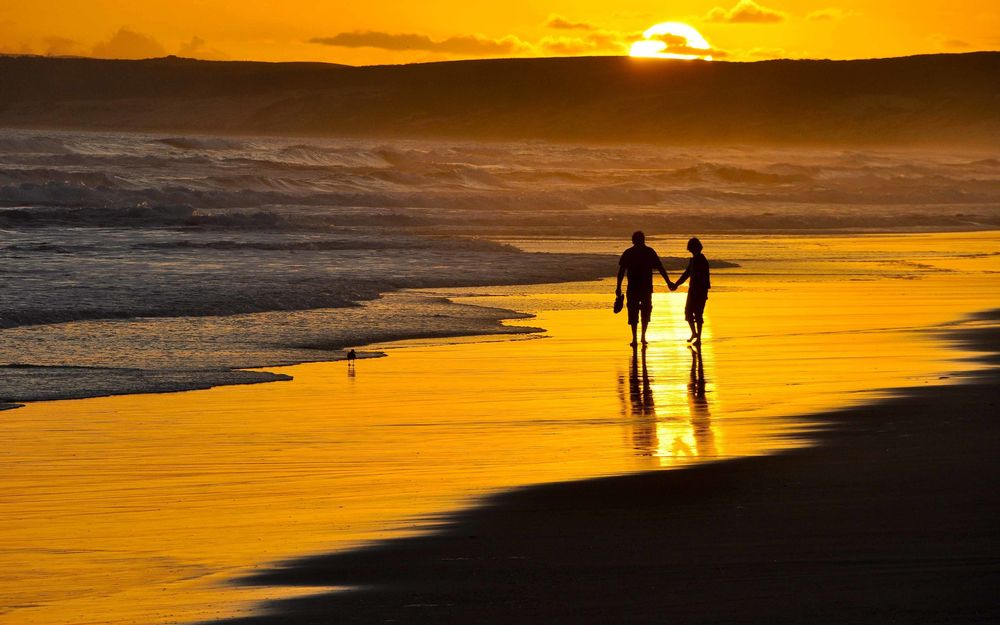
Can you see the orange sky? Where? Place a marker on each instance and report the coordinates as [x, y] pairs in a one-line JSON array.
[[403, 31]]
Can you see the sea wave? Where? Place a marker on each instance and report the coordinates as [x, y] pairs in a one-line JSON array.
[[186, 180], [26, 143], [200, 143], [340, 244], [205, 253]]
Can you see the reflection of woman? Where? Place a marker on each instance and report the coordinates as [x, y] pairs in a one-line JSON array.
[[701, 419]]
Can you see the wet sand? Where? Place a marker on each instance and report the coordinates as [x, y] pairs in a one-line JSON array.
[[141, 508], [892, 518]]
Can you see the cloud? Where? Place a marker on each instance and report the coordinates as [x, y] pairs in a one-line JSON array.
[[128, 44], [560, 23], [949, 43], [762, 54], [61, 46], [600, 42], [746, 12], [568, 46], [198, 48], [15, 48], [831, 13], [676, 44], [461, 44]]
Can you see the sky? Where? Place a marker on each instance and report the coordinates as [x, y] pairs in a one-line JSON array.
[[403, 31]]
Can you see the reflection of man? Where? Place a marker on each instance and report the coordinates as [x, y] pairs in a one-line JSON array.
[[638, 262], [642, 406], [640, 390]]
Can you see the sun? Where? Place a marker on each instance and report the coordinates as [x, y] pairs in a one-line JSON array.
[[672, 40]]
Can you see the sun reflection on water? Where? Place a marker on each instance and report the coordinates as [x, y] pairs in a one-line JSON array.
[[676, 434], [130, 509]]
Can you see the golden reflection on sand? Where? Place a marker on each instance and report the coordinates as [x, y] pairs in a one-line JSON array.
[[668, 438], [137, 509]]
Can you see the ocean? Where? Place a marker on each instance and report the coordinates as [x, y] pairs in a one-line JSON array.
[[134, 262]]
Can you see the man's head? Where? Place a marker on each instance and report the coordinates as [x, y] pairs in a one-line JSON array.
[[694, 245], [638, 238]]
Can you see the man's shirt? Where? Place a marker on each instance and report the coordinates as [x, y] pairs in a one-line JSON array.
[[639, 262]]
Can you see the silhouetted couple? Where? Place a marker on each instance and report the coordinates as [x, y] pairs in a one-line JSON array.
[[638, 263]]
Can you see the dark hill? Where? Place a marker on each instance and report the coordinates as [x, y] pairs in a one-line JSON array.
[[935, 99]]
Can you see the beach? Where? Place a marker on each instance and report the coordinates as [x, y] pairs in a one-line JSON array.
[[307, 315], [164, 507], [889, 518]]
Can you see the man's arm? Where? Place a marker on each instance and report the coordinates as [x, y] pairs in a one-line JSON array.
[[621, 275], [663, 272]]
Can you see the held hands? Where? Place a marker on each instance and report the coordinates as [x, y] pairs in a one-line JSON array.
[[671, 285]]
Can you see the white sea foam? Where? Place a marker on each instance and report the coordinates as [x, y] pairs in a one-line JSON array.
[[113, 226], [465, 184]]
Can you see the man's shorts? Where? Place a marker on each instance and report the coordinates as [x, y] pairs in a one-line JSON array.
[[639, 302], [694, 309]]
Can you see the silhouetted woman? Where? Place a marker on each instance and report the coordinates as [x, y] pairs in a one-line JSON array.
[[698, 271]]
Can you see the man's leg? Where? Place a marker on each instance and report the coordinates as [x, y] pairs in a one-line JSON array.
[[647, 311], [632, 304]]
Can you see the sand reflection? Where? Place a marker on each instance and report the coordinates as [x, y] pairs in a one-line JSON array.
[[701, 416], [676, 434], [136, 509]]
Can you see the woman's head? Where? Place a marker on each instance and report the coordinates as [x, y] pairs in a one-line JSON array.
[[694, 245]]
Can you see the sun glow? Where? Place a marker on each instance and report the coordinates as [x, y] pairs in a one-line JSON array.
[[672, 40]]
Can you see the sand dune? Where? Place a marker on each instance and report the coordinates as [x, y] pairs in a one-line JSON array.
[[933, 99]]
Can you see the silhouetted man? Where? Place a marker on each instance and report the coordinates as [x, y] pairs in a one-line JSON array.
[[638, 262], [701, 282]]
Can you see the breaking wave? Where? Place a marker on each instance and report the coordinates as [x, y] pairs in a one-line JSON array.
[[260, 249], [141, 180], [198, 143]]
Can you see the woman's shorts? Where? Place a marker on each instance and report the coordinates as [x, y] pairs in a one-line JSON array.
[[695, 307]]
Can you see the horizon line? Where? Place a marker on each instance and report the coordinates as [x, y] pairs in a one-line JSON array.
[[489, 59]]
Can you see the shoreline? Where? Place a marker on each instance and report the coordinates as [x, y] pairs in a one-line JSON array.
[[257, 373], [888, 516], [116, 381], [260, 374], [172, 497]]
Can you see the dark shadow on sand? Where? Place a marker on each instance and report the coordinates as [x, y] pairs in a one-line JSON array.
[[892, 518]]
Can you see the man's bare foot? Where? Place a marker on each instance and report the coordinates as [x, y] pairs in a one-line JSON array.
[[696, 341], [633, 343], [692, 338], [645, 342]]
